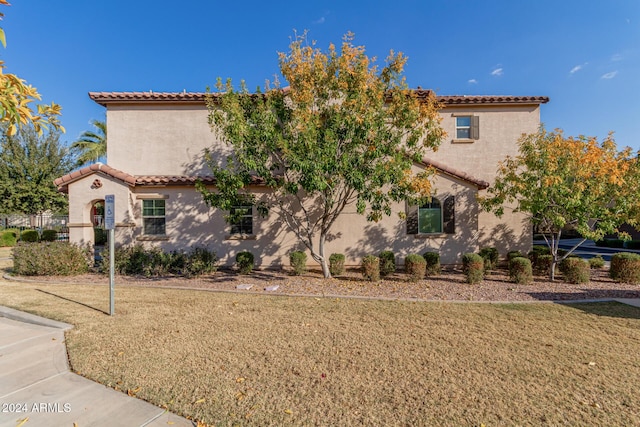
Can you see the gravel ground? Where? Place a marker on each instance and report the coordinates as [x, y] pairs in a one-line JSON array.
[[449, 286]]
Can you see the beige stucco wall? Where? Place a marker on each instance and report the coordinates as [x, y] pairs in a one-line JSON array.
[[161, 139], [151, 139]]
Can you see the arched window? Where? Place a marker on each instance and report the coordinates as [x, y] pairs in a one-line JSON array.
[[430, 217]]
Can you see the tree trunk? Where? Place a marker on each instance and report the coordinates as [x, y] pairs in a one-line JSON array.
[[323, 259]]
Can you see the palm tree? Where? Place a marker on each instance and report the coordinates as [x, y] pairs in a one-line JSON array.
[[92, 145]]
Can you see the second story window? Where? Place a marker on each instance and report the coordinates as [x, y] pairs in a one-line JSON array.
[[467, 127]]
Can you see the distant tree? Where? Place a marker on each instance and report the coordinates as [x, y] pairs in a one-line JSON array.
[[343, 133], [29, 162], [92, 145], [15, 99], [565, 181]]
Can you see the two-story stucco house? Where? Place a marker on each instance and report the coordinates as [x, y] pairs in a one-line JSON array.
[[155, 155]]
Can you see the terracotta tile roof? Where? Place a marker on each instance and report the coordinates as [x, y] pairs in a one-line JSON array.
[[104, 98], [162, 180], [135, 180], [446, 170]]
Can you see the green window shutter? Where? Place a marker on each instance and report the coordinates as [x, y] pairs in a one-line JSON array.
[[475, 127], [412, 219], [449, 215]]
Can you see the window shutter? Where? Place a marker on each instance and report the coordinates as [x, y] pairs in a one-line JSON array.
[[475, 127], [449, 215], [412, 219]]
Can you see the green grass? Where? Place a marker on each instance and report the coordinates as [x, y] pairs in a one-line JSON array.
[[227, 359]]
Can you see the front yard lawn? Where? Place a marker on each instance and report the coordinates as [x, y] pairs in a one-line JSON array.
[[227, 359]]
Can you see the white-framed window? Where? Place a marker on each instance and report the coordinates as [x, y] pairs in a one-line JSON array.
[[467, 127], [430, 217], [242, 220], [153, 217]]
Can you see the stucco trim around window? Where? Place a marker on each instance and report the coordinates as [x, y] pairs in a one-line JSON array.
[[151, 196], [152, 237], [240, 237]]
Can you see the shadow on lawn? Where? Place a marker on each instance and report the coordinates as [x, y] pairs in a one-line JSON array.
[[585, 294], [607, 309], [73, 301]]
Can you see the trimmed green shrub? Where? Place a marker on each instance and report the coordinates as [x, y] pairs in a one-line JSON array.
[[536, 252], [473, 268], [137, 260], [415, 266], [7, 238], [29, 236], [513, 254], [433, 263], [197, 262], [490, 256], [625, 267], [298, 261], [50, 259], [543, 264], [371, 268], [245, 261], [49, 235], [575, 270], [336, 264], [596, 262], [387, 263], [520, 270]]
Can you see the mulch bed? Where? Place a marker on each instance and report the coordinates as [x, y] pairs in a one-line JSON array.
[[449, 286]]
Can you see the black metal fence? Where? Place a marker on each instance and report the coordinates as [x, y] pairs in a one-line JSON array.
[[39, 222]]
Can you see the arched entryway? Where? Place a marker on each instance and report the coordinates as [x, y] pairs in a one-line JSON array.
[[96, 216]]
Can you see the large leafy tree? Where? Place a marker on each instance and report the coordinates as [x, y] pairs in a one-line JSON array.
[[29, 162], [16, 98], [344, 132], [92, 145], [568, 181]]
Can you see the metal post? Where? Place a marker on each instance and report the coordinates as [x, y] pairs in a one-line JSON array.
[[112, 247]]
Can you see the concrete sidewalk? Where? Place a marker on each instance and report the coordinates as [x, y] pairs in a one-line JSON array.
[[35, 383]]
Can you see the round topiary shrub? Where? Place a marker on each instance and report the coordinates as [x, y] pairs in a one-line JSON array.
[[490, 256], [596, 262], [575, 270], [336, 264], [535, 253], [49, 236], [244, 261], [513, 254], [542, 264], [7, 239], [387, 263], [473, 268], [433, 263], [415, 266], [625, 267], [298, 261], [371, 268], [29, 236], [520, 270]]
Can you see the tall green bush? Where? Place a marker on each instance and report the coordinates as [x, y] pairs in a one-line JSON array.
[[336, 264], [49, 235], [625, 267], [387, 263], [245, 262], [7, 239], [371, 268], [29, 236], [298, 261], [520, 270], [473, 268], [415, 266], [50, 259], [433, 263], [490, 257], [575, 270]]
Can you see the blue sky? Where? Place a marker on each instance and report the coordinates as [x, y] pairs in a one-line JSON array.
[[584, 55]]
